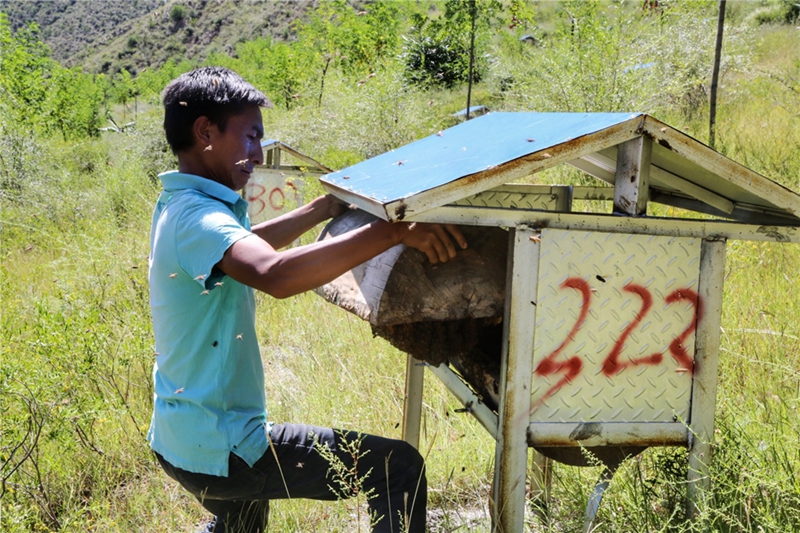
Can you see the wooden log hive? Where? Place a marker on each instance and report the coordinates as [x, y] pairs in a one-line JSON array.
[[446, 313]]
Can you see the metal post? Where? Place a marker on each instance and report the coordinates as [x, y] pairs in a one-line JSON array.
[[511, 455], [704, 384], [412, 404], [632, 176]]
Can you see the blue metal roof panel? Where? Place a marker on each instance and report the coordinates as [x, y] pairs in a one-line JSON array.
[[474, 146]]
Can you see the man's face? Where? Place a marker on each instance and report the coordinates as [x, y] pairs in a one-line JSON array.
[[232, 154]]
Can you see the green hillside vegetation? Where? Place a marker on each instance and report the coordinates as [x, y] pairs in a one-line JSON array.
[[69, 27], [132, 36], [79, 154]]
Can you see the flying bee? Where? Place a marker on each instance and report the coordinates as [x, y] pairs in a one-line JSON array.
[[201, 277], [204, 292], [184, 104], [219, 284], [241, 162], [207, 148], [239, 336], [173, 275], [179, 391]]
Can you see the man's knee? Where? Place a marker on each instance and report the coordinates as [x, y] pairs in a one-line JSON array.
[[409, 459]]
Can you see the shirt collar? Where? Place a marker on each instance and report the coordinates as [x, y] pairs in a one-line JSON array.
[[174, 180]]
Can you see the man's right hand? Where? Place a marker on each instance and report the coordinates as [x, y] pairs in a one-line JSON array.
[[437, 241]]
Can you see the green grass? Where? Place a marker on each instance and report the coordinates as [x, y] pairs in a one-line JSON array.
[[76, 347]]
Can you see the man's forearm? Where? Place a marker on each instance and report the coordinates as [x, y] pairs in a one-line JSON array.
[[285, 229], [284, 274]]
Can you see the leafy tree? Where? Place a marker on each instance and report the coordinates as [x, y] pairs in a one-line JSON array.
[[24, 64], [358, 42], [73, 104], [437, 51], [278, 69], [150, 82], [40, 92], [124, 90]]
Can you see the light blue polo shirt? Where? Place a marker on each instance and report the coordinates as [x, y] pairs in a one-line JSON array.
[[208, 374]]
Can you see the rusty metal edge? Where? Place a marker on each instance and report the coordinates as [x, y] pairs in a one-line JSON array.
[[546, 434], [737, 174], [512, 170], [713, 229]]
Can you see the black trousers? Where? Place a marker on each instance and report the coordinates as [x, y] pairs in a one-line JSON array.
[[321, 464]]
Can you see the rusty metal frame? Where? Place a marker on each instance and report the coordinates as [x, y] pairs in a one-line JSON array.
[[679, 227], [412, 401], [632, 177], [545, 434], [704, 384], [472, 404], [511, 455]]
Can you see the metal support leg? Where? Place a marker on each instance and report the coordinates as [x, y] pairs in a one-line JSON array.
[[412, 406], [704, 384], [597, 497], [511, 456]]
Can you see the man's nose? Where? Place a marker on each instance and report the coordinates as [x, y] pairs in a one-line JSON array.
[[258, 156]]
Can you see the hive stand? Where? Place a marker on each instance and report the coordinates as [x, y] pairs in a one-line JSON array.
[[612, 320]]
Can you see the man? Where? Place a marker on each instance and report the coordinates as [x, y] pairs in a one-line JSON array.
[[209, 428]]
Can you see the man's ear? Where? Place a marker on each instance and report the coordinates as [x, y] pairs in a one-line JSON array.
[[202, 131]]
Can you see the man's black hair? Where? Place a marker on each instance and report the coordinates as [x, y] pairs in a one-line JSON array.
[[213, 92]]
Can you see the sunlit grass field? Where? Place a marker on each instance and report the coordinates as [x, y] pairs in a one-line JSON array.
[[77, 354]]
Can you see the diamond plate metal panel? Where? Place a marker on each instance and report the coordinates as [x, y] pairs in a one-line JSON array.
[[511, 200], [614, 333], [271, 193]]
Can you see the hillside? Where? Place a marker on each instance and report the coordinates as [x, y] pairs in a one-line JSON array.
[[71, 26], [122, 34]]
